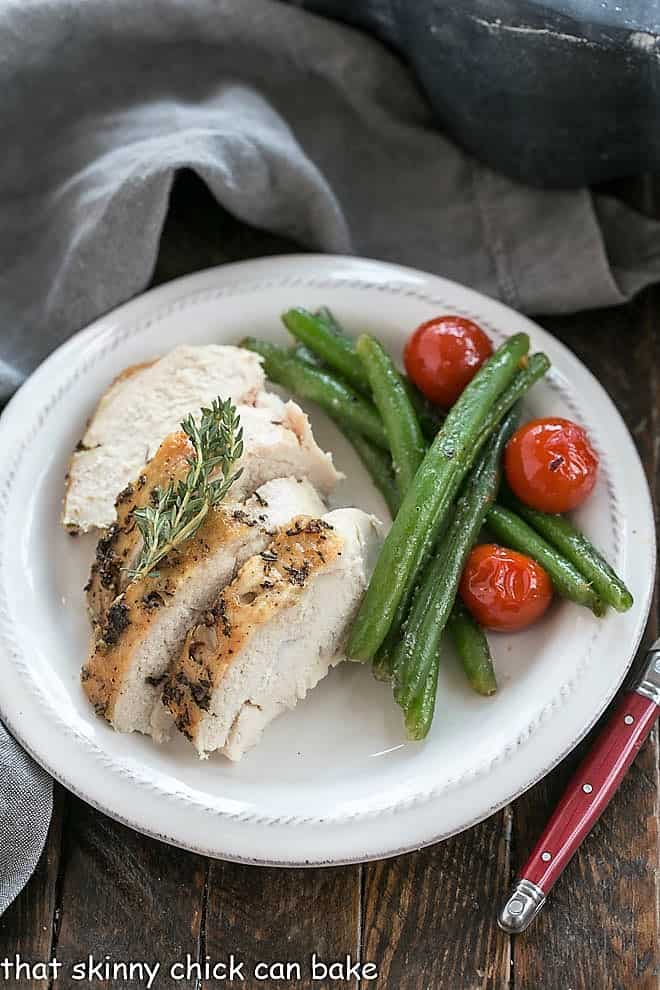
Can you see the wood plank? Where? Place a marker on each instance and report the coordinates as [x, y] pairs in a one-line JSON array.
[[273, 915], [429, 917], [599, 928], [125, 896], [26, 927]]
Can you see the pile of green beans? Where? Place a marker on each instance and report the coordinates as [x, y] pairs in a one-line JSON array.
[[412, 594], [418, 649], [430, 497]]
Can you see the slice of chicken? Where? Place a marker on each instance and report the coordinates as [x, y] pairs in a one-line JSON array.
[[146, 625], [278, 443], [273, 633], [139, 409], [120, 545]]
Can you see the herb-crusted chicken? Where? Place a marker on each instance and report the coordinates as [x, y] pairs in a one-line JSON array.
[[147, 402], [220, 593], [273, 633], [145, 625], [278, 443], [138, 410]]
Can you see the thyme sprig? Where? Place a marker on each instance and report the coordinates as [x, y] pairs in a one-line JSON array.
[[177, 512]]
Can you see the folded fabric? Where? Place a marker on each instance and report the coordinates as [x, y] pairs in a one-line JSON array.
[[561, 93], [299, 126], [26, 804]]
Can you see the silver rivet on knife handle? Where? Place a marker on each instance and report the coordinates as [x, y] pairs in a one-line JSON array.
[[523, 905], [649, 683]]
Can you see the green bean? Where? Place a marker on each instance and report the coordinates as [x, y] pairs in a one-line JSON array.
[[429, 498], [379, 466], [473, 650], [383, 662], [336, 398], [514, 532], [419, 716], [333, 324], [406, 441], [335, 350], [302, 353], [417, 650], [533, 370], [574, 545]]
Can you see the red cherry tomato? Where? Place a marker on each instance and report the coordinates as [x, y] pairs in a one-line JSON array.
[[551, 465], [443, 355], [504, 590]]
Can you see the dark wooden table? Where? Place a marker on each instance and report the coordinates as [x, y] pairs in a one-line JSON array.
[[426, 919]]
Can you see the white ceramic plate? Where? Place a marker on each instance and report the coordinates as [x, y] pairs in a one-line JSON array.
[[334, 781]]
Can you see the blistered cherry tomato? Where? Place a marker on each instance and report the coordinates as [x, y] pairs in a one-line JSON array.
[[550, 464], [504, 590], [443, 355]]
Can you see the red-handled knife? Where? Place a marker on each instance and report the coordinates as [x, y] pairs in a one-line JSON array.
[[590, 790]]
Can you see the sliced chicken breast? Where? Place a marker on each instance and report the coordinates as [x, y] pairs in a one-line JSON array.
[[146, 625], [121, 543], [137, 412], [273, 633], [278, 443]]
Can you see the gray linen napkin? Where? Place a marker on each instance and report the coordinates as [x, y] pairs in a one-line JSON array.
[[26, 804], [298, 125]]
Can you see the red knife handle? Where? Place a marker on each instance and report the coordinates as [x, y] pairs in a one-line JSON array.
[[591, 789], [589, 792]]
